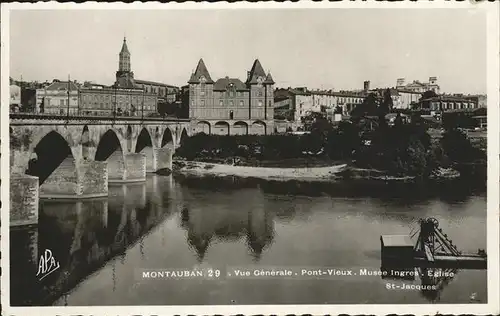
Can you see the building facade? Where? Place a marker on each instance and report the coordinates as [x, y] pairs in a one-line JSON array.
[[348, 100], [304, 102], [165, 93], [106, 101], [417, 86], [230, 106], [406, 99], [480, 99], [59, 97], [445, 103]]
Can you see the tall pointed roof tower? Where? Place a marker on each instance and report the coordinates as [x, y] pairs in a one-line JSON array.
[[256, 72], [200, 73], [269, 79], [124, 75], [124, 63], [124, 47]]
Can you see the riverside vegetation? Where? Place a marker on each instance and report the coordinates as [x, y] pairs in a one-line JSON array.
[[365, 142], [399, 150]]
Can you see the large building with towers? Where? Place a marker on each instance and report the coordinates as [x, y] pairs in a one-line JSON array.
[[229, 106], [418, 86]]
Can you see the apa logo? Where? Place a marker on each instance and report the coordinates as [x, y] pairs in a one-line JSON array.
[[46, 265]]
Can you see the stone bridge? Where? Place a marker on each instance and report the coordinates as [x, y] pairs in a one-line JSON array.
[[59, 158]]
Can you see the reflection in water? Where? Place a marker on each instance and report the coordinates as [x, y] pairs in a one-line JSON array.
[[255, 226], [237, 222], [82, 235]]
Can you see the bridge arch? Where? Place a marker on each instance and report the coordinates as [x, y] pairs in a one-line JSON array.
[[258, 128], [203, 127], [240, 128], [145, 145], [167, 138], [86, 143], [129, 139], [53, 163], [110, 150], [221, 128], [183, 137]]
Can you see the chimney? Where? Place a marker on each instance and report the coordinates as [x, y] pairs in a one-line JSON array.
[[366, 85], [400, 82], [248, 75]]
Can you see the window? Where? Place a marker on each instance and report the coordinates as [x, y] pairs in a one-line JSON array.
[[202, 103], [270, 104], [260, 103], [231, 103], [221, 102], [259, 93], [202, 92], [61, 102], [241, 103]]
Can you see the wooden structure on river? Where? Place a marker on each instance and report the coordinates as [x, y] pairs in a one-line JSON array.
[[433, 249]]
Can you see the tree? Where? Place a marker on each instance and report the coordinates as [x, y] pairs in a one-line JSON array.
[[428, 94], [368, 107], [387, 104], [398, 121], [458, 148], [344, 141]]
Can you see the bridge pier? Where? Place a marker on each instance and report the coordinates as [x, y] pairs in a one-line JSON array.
[[150, 159], [76, 180], [163, 158], [130, 167], [24, 191], [135, 167]]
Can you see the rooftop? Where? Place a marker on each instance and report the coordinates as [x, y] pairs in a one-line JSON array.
[[201, 71], [153, 83], [447, 98], [62, 86], [124, 47], [225, 83], [255, 72]]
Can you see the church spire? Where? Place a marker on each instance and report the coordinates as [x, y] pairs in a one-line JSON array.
[[124, 61], [124, 47]]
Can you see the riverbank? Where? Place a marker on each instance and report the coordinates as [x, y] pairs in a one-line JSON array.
[[198, 168], [337, 172]]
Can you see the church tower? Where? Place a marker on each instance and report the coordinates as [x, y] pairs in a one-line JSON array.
[[124, 75]]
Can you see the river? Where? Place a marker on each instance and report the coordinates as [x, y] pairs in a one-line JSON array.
[[213, 224]]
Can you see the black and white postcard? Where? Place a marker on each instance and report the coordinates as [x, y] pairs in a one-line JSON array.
[[265, 158]]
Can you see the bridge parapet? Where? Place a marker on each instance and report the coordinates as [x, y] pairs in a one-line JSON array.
[[77, 158]]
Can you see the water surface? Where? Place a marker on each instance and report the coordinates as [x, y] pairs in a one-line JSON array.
[[187, 223]]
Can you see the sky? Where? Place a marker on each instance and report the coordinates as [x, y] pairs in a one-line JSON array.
[[317, 48]]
